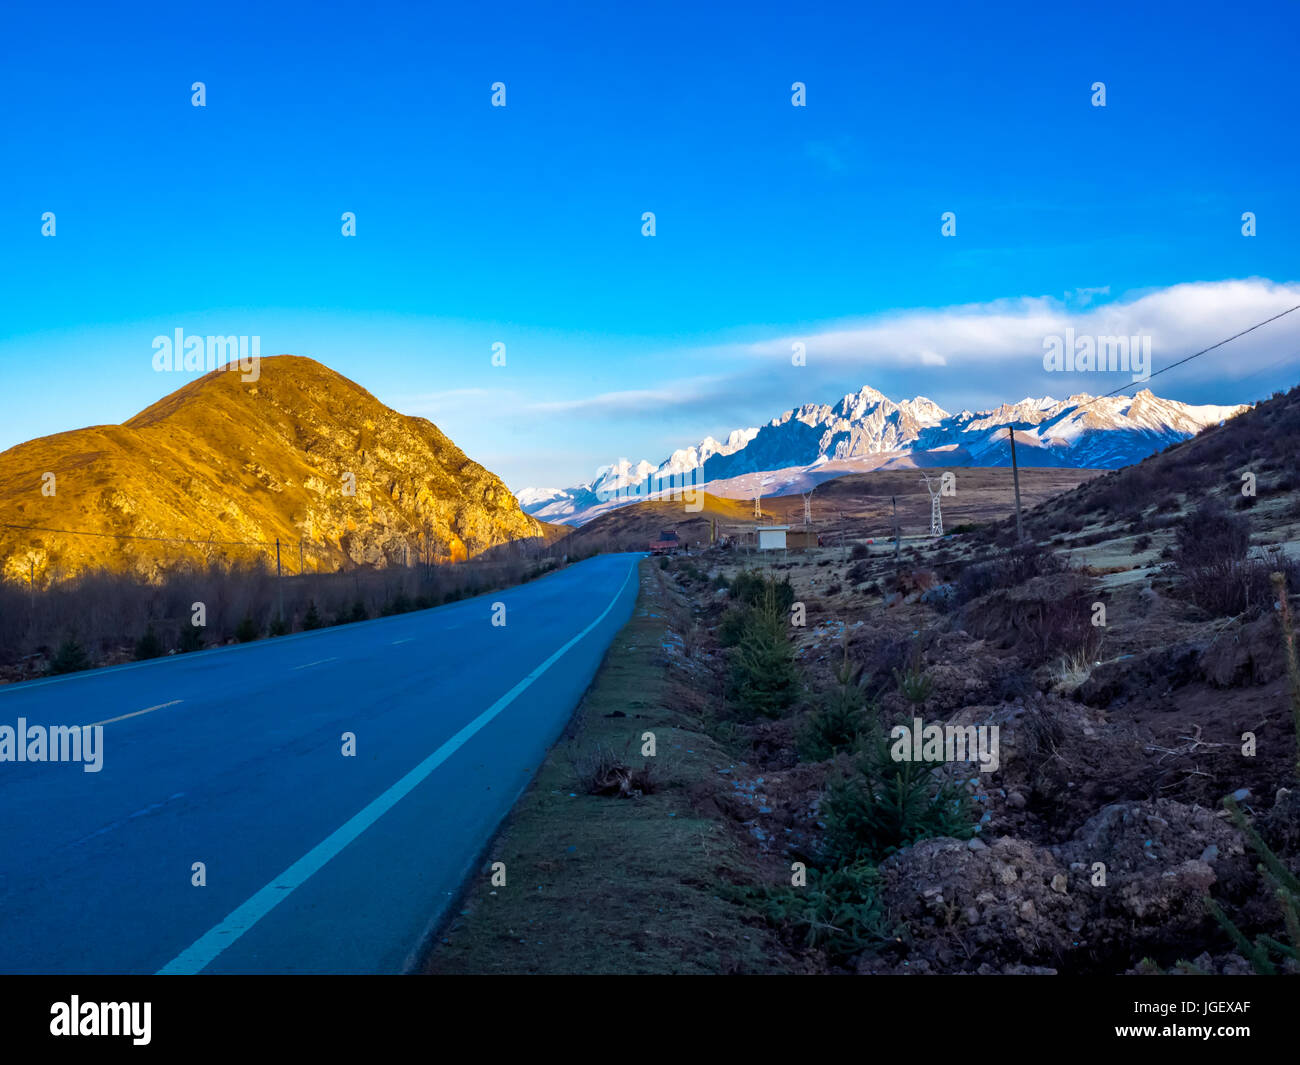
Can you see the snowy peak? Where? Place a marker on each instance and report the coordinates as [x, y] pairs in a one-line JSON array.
[[855, 404], [1083, 431]]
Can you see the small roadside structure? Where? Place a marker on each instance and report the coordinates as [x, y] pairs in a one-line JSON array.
[[666, 544], [772, 537]]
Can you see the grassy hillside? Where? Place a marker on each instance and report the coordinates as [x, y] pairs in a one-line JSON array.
[[300, 454]]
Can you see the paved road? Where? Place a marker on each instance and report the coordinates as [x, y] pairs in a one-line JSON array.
[[315, 862]]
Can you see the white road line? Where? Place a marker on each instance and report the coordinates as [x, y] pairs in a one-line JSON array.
[[408, 640], [199, 954], [137, 713], [308, 665]]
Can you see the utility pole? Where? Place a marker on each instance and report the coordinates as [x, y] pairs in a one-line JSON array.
[[898, 534], [300, 571], [278, 583], [1015, 476]]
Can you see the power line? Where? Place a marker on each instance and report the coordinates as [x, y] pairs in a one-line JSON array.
[[1011, 431], [1197, 354], [1203, 351], [1289, 357]]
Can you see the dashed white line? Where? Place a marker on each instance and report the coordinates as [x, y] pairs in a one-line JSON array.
[[308, 665], [135, 713]]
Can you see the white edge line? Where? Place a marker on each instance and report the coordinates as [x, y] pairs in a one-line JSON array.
[[205, 949]]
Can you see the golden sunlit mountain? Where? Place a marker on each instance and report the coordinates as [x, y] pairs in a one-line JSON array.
[[302, 454]]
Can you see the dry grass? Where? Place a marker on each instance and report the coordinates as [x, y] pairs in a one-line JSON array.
[[602, 887], [1073, 670], [301, 453]]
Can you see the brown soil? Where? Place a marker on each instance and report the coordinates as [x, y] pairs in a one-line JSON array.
[[1121, 756]]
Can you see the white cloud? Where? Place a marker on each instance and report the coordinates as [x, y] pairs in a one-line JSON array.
[[972, 356], [671, 396], [1007, 335]]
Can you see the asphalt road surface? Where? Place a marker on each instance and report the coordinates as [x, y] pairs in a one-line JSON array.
[[315, 862]]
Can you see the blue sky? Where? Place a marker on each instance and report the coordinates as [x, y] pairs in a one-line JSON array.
[[522, 224]]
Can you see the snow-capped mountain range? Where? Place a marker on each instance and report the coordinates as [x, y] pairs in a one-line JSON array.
[[866, 430]]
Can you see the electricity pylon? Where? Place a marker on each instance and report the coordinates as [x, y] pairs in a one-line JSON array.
[[936, 513]]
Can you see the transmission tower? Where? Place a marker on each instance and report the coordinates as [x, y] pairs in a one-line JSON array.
[[807, 508], [936, 513]]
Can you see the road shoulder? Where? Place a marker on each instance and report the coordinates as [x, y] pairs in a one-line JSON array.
[[606, 884]]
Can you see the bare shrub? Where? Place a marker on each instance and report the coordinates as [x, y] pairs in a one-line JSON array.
[[1210, 535], [110, 611], [1211, 560], [1019, 565], [1237, 586], [1062, 625], [600, 771]]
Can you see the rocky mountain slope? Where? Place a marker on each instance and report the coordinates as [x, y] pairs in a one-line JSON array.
[[866, 430], [300, 454]]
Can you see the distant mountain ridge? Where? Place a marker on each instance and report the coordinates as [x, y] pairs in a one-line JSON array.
[[866, 429]]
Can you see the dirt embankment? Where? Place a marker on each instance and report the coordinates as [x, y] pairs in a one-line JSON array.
[[1127, 711]]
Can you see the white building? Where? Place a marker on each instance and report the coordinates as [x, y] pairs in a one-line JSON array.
[[772, 537]]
